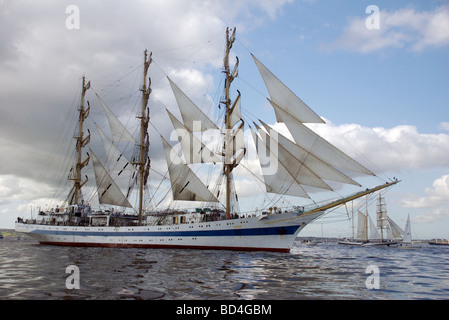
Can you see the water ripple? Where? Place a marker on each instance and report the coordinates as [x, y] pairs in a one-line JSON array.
[[324, 271]]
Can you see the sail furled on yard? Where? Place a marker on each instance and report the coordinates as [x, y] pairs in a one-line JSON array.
[[185, 183], [108, 191]]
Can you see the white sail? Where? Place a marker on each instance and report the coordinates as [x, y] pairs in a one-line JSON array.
[[407, 232], [193, 149], [362, 226], [283, 97], [71, 196], [185, 184], [108, 191], [396, 230], [235, 145], [277, 177], [193, 117], [292, 111], [236, 113], [373, 232], [321, 169], [389, 231], [118, 131], [115, 159], [297, 169], [322, 149]]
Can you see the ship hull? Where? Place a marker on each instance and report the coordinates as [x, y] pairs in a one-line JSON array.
[[271, 233]]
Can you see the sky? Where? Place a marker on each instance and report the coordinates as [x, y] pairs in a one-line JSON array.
[[377, 72]]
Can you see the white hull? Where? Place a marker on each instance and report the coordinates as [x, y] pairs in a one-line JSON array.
[[350, 243], [380, 244], [272, 233], [367, 243]]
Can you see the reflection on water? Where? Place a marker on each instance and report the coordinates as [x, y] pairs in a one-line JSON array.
[[325, 271]]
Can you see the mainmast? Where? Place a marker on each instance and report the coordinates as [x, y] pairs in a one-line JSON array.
[[81, 142], [228, 165], [144, 162]]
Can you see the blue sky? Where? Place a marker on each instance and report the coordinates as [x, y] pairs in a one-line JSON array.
[[384, 93], [384, 87]]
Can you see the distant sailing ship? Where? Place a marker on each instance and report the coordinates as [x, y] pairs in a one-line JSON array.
[[306, 161], [390, 233], [364, 233], [407, 242]]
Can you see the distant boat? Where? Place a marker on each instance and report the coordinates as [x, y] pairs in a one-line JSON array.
[[440, 242], [362, 231], [407, 239], [384, 223]]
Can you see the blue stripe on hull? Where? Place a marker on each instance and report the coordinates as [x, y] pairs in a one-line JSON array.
[[287, 230], [163, 246]]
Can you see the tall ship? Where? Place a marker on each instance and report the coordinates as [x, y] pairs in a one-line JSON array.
[[390, 233], [290, 166]]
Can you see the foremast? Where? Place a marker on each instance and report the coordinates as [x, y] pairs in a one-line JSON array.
[[81, 142]]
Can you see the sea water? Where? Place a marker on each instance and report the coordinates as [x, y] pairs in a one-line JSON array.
[[327, 270]]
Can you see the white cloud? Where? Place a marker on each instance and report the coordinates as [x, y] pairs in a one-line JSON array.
[[436, 196], [389, 150], [16, 189], [436, 215], [42, 62], [444, 126], [401, 28]]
